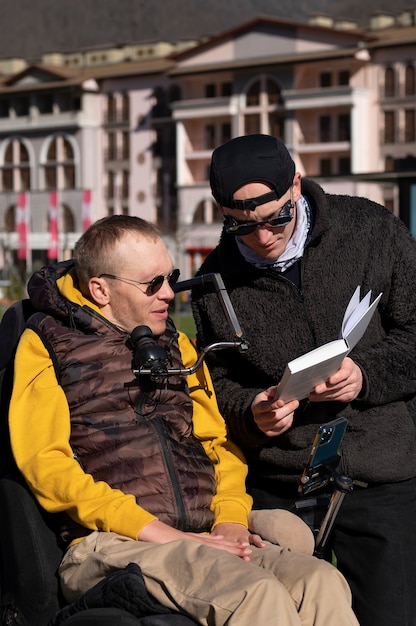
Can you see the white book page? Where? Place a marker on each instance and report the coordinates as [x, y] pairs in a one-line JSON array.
[[306, 371], [358, 321]]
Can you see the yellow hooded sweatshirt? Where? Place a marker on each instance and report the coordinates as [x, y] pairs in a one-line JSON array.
[[40, 429]]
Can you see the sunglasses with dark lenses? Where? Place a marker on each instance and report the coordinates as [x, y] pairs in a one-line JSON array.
[[153, 285], [234, 227]]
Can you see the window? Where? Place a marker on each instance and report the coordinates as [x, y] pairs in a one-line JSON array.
[[125, 145], [125, 107], [69, 176], [68, 152], [409, 85], [10, 220], [253, 95], [15, 173], [344, 127], [112, 146], [125, 184], [4, 108], [389, 83], [8, 155], [68, 220], [210, 90], [209, 137], [226, 89], [52, 151], [389, 164], [344, 165], [409, 126], [389, 127], [324, 128], [206, 213], [51, 179], [225, 132], [273, 92], [68, 101], [325, 79], [21, 107], [64, 102], [45, 103], [7, 179], [24, 154], [110, 184], [325, 167], [174, 93], [24, 179], [111, 108], [251, 124], [264, 111], [344, 77], [276, 125], [59, 167]]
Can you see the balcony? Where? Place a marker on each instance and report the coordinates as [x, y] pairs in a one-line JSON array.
[[204, 107], [297, 99]]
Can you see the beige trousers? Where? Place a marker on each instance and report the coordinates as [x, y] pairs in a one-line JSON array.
[[278, 587]]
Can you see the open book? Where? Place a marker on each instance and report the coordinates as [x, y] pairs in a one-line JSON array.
[[304, 373]]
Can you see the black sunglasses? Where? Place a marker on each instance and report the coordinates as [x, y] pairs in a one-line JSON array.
[[234, 227], [153, 285]]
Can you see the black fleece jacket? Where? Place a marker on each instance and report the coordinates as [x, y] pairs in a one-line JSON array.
[[354, 242]]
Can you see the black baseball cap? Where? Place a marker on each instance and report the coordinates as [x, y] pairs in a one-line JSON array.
[[248, 159]]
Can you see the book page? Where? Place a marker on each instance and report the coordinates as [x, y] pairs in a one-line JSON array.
[[308, 370], [359, 320]]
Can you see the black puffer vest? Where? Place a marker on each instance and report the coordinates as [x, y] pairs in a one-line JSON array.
[[136, 435]]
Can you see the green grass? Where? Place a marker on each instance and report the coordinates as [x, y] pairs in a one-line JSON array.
[[185, 323], [3, 307]]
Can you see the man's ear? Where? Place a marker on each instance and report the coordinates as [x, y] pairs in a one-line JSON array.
[[296, 187], [98, 288]]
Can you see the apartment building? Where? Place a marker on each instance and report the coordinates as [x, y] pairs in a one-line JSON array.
[[131, 129], [343, 101]]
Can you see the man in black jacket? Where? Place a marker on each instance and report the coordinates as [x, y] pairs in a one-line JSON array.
[[291, 257]]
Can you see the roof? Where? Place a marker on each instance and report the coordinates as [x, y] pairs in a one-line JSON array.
[[59, 78], [30, 29]]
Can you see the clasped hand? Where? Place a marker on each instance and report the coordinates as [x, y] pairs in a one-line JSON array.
[[274, 417], [231, 537]]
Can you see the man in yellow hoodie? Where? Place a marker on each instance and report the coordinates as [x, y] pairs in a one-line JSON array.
[[138, 468]]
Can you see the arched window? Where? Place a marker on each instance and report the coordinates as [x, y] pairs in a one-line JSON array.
[[59, 167], [253, 95], [264, 111], [15, 169], [206, 212]]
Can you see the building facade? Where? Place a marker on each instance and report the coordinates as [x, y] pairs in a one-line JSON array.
[[131, 129]]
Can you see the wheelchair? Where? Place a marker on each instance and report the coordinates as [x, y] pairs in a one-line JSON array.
[[29, 585], [29, 552]]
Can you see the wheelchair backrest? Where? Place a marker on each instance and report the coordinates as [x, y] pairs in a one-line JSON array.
[[29, 557]]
